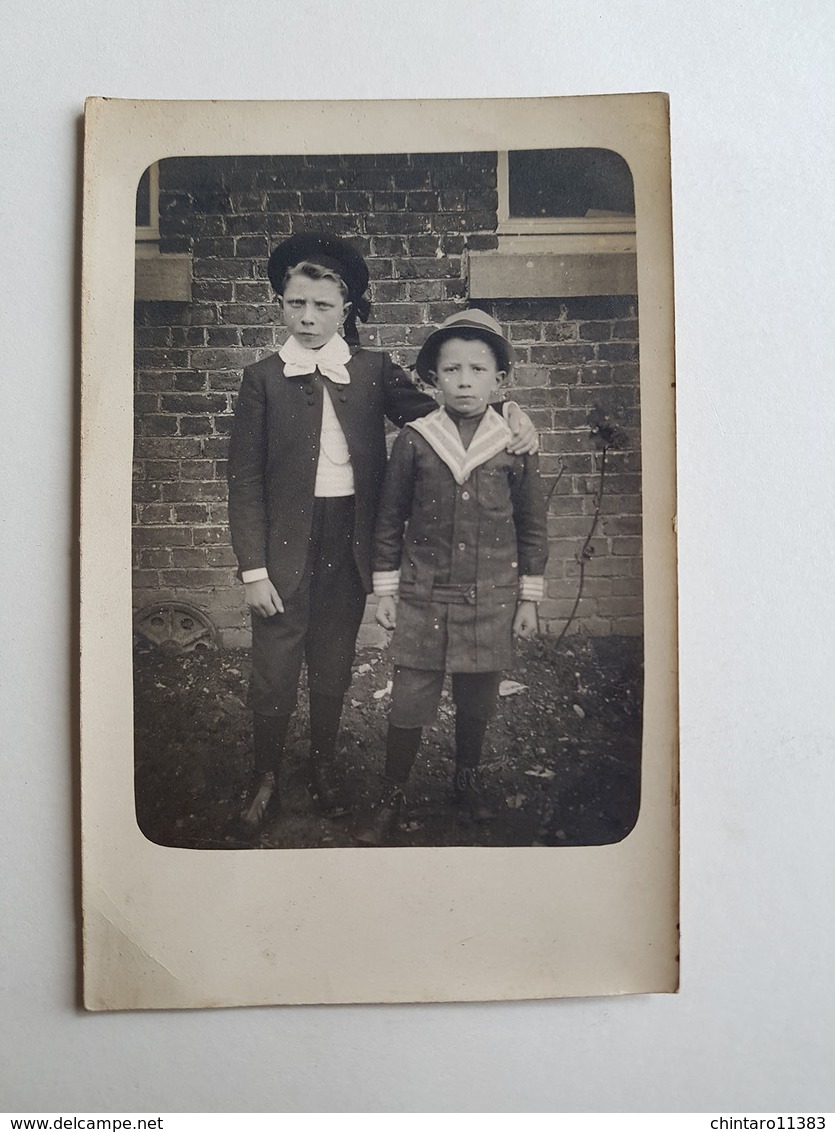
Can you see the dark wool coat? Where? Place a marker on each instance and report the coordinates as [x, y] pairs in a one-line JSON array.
[[460, 559], [274, 450]]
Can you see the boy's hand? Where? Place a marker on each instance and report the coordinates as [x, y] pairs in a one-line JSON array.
[[387, 612], [525, 622], [262, 597], [525, 439]]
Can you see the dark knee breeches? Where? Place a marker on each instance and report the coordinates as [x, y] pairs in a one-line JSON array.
[[320, 621], [416, 693]]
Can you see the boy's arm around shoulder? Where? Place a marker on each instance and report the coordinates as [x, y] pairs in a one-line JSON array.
[[246, 469], [525, 438], [403, 400], [393, 512], [531, 521]]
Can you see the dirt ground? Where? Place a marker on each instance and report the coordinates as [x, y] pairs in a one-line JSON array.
[[561, 763]]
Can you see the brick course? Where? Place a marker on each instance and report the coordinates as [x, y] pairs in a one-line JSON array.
[[416, 218]]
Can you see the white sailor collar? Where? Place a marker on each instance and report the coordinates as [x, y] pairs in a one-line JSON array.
[[440, 431]]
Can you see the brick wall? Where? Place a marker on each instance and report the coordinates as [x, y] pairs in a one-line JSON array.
[[415, 218]]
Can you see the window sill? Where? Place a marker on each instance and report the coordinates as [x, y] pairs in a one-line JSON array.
[[569, 266]]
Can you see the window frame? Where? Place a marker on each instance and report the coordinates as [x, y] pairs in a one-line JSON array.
[[147, 235], [541, 257], [158, 276], [565, 226]]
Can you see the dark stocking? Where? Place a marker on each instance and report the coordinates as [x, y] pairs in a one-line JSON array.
[[469, 739], [401, 748], [325, 713], [269, 734]]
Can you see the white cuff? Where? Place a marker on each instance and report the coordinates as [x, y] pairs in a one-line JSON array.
[[386, 583], [505, 406], [259, 575], [531, 587]]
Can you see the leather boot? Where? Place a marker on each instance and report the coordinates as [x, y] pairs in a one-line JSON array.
[[378, 824], [263, 802], [466, 786], [262, 805]]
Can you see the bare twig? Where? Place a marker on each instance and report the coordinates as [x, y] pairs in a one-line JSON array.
[[585, 552], [553, 486]]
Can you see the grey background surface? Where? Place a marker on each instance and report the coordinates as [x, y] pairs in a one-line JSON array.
[[753, 167]]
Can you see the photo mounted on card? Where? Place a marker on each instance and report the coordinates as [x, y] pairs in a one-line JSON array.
[[378, 555]]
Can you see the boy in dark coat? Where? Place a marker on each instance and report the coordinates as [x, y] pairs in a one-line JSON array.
[[459, 557], [306, 464]]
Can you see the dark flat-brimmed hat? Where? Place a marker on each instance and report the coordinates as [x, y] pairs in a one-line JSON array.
[[328, 251], [479, 325]]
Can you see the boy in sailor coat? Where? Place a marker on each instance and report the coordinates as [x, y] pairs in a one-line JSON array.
[[306, 463], [459, 557]]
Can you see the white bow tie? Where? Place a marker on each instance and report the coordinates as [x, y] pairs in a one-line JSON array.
[[330, 359]]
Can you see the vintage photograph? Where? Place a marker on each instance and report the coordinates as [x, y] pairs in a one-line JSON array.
[[387, 552], [378, 552]]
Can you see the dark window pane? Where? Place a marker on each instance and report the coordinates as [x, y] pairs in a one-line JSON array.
[[143, 200], [568, 182]]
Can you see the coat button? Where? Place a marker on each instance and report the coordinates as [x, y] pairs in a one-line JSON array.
[[462, 546], [465, 495]]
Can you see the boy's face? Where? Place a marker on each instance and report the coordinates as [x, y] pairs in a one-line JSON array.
[[314, 309], [467, 374]]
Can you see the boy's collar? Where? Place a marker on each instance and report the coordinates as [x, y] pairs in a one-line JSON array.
[[459, 417], [440, 432], [330, 359]]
